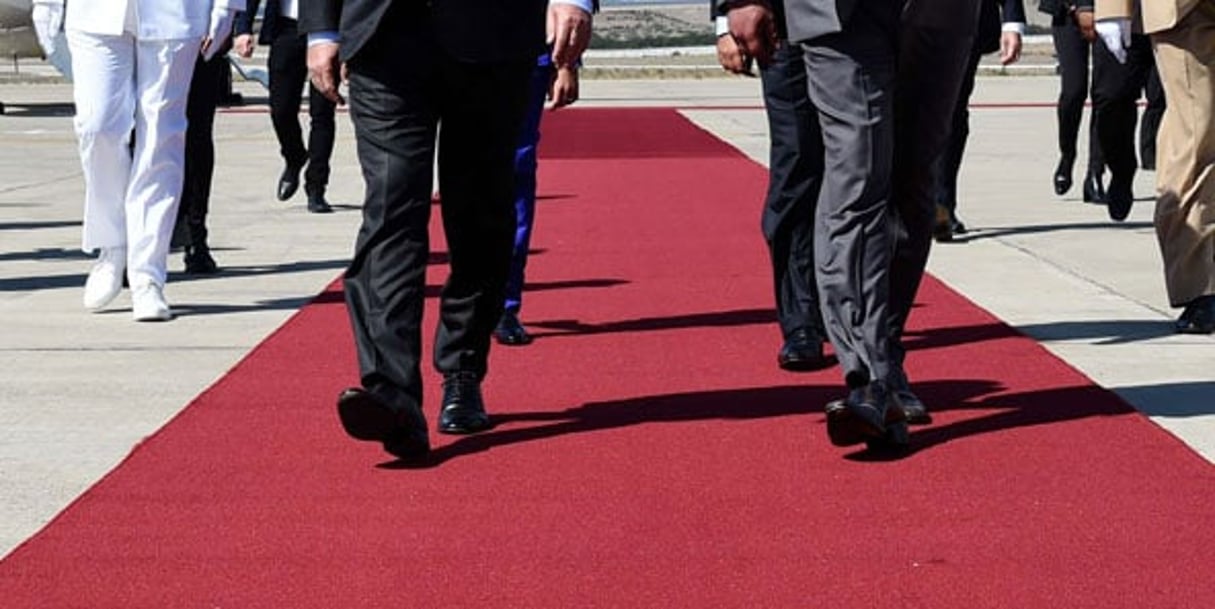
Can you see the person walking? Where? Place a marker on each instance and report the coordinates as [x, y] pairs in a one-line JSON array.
[[413, 66], [288, 69], [132, 62], [1183, 39]]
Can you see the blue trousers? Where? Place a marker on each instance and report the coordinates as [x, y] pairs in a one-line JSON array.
[[525, 185]]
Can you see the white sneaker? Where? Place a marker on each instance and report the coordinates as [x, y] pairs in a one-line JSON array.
[[148, 303], [105, 279]]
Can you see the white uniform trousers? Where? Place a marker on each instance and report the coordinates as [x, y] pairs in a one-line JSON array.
[[124, 84]]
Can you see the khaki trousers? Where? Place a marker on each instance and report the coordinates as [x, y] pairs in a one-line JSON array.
[[1185, 155]]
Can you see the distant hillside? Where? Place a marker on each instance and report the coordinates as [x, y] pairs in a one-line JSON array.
[[630, 24]]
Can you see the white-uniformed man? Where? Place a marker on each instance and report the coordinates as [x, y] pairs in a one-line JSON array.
[[132, 61]]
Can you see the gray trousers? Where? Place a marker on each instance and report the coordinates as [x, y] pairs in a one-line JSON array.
[[884, 92], [850, 77]]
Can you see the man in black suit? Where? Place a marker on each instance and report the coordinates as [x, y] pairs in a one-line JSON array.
[[413, 66], [288, 74], [877, 192]]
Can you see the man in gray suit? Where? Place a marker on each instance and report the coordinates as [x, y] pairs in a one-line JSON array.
[[875, 206]]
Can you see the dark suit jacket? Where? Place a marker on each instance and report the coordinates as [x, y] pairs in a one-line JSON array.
[[271, 21], [479, 31], [991, 15], [1060, 8]]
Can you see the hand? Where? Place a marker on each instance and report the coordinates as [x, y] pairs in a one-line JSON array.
[[1116, 34], [324, 70], [1084, 21], [731, 57], [563, 91], [243, 45], [217, 32], [569, 32], [48, 21], [753, 26], [1010, 47]]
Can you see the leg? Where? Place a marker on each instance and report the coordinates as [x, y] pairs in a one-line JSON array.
[[794, 177], [1149, 123], [162, 78], [1185, 177], [850, 79], [288, 72], [950, 162], [394, 113], [931, 70], [1116, 88], [483, 109], [320, 142], [205, 91], [1072, 52], [105, 116], [525, 185]]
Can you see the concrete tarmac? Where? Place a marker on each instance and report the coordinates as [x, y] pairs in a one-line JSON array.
[[78, 390]]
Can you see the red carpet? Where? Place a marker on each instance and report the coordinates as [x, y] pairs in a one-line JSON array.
[[649, 453]]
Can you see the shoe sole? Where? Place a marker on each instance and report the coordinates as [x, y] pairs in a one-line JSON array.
[[513, 342], [846, 428], [802, 365], [464, 430]]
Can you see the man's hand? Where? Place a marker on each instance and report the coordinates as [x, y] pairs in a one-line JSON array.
[[569, 32], [563, 91], [753, 26], [243, 45], [47, 17], [217, 32], [731, 57], [1010, 47], [1116, 34], [1084, 21], [324, 70]]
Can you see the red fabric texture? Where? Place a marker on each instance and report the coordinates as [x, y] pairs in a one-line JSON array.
[[648, 452]]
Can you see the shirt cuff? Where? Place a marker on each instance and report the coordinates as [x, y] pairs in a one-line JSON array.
[[585, 5], [1013, 26], [327, 36], [721, 26]]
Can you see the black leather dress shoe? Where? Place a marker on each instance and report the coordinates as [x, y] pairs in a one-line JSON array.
[[317, 203], [289, 182], [199, 261], [463, 409], [1119, 198], [510, 331], [1063, 176], [1198, 316], [1094, 190], [366, 417], [802, 351], [860, 417]]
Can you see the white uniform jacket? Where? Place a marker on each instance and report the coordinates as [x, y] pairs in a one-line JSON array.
[[158, 19]]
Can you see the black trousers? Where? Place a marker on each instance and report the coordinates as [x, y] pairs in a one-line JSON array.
[[932, 65], [1073, 54], [794, 178], [288, 67], [1149, 122], [1116, 89], [206, 86], [950, 163], [397, 108], [850, 76]]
